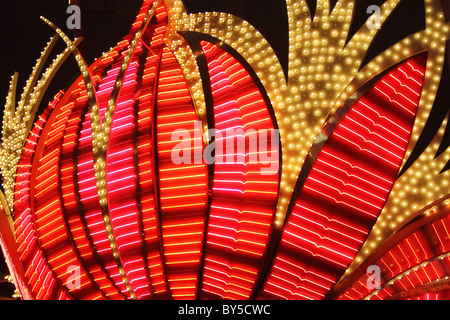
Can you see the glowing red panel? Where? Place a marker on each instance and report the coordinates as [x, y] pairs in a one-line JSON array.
[[183, 186], [238, 230], [50, 222], [121, 186], [346, 188], [42, 281], [146, 164], [438, 233]]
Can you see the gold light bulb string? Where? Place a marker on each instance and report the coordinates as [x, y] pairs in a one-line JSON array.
[[17, 123], [35, 73]]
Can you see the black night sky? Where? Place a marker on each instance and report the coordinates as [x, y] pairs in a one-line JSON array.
[[105, 22]]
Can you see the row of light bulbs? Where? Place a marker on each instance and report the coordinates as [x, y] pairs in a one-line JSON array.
[[17, 121]]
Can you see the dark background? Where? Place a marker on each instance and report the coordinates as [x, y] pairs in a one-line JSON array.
[[105, 22]]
